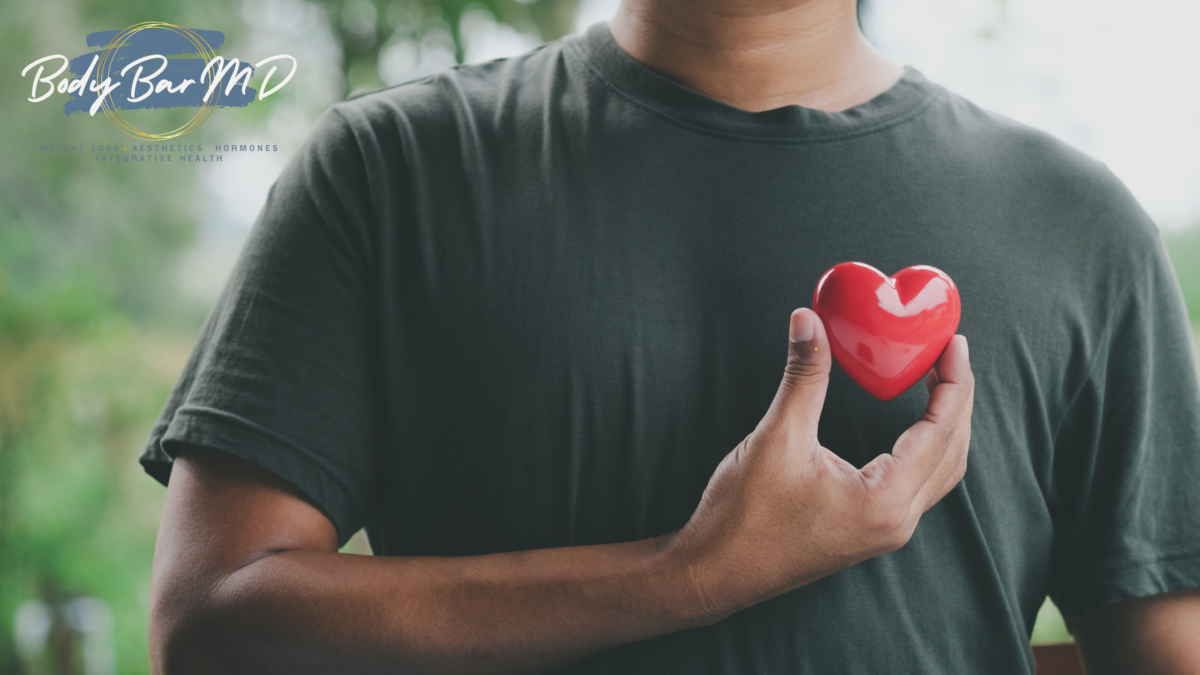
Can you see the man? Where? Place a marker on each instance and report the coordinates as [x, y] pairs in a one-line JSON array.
[[524, 321]]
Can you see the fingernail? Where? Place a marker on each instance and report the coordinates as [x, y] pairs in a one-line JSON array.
[[802, 328], [966, 350]]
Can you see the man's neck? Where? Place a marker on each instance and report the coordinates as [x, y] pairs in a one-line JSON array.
[[758, 54]]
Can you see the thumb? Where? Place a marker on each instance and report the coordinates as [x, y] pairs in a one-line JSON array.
[[801, 394]]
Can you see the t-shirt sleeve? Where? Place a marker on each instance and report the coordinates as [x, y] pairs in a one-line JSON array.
[[1127, 458], [285, 371]]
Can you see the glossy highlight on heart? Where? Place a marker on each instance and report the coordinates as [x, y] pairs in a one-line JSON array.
[[887, 332]]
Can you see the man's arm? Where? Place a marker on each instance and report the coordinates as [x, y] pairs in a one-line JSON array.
[[1155, 635], [247, 577]]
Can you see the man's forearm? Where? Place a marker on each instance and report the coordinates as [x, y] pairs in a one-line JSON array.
[[312, 611]]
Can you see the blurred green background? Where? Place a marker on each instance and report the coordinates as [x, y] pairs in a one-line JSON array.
[[107, 271]]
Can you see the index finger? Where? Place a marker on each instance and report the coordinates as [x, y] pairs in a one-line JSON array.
[[924, 456]]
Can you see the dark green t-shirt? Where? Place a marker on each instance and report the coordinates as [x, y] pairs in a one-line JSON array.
[[533, 303]]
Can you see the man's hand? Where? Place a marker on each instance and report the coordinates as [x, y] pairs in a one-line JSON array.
[[782, 511], [247, 577]]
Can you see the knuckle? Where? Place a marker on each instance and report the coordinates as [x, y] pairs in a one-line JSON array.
[[886, 520], [800, 370], [901, 536]]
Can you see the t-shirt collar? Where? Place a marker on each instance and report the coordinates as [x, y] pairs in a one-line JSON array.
[[684, 106]]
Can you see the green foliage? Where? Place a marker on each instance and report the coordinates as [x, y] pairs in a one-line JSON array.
[[1184, 249], [80, 386], [366, 26], [1050, 628], [86, 255]]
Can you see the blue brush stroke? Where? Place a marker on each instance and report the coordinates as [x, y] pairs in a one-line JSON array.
[[159, 40], [167, 43]]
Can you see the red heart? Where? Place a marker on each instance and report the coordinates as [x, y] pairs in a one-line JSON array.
[[887, 332]]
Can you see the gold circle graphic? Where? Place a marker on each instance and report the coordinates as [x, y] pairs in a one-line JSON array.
[[105, 70]]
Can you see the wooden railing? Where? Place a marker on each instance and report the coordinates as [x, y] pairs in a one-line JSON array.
[[1060, 659]]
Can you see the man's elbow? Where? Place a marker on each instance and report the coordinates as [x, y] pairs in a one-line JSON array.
[[185, 634]]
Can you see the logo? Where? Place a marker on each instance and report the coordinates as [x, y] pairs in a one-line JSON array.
[[153, 65]]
